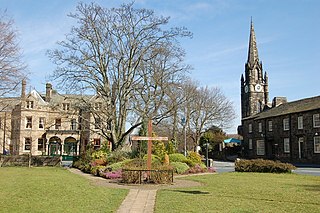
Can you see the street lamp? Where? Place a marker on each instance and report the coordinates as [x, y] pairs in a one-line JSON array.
[[183, 121], [207, 148]]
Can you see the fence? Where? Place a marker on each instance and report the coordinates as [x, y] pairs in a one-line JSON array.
[[26, 160], [147, 176]]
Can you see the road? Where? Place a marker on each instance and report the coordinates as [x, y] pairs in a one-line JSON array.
[[222, 167]]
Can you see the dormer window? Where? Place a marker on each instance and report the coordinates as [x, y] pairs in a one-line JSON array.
[[66, 106], [97, 106], [29, 104]]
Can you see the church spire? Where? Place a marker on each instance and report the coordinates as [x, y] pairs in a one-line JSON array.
[[253, 50]]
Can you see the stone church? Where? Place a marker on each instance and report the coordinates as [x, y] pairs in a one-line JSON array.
[[278, 130], [49, 124]]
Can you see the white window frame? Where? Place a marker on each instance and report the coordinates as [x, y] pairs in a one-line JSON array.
[[286, 124], [286, 145], [270, 126], [250, 128], [66, 106], [260, 147], [24, 145], [27, 122], [41, 122], [316, 144], [29, 104], [260, 127], [316, 120], [250, 143], [300, 122], [73, 124]]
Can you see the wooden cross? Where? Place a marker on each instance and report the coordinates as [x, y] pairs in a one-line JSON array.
[[149, 139]]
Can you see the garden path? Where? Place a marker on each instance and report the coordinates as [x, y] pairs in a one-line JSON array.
[[141, 197]]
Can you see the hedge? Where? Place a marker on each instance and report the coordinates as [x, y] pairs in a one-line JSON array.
[[260, 165]]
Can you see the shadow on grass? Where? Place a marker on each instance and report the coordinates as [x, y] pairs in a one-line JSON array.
[[195, 192], [315, 188]]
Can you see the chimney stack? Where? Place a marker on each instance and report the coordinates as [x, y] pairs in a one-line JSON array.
[[48, 92], [23, 89]]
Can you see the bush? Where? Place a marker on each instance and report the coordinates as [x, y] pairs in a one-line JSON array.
[[194, 157], [113, 175], [198, 168], [260, 165], [117, 156], [177, 157], [154, 159], [118, 165], [179, 167]]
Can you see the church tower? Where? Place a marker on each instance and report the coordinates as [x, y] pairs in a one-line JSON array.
[[254, 85]]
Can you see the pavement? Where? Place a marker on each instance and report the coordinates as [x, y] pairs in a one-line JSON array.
[[139, 201]]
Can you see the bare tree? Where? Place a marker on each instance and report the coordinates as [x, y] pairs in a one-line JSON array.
[[209, 107], [11, 66], [127, 58]]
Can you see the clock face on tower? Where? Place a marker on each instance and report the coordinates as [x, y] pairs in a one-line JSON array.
[[258, 88]]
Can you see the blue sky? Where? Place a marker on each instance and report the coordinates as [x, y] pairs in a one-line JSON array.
[[287, 32]]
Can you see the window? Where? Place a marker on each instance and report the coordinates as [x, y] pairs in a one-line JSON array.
[[29, 122], [286, 124], [27, 144], [96, 143], [29, 104], [316, 144], [316, 120], [97, 106], [250, 128], [300, 122], [97, 123], [270, 126], [58, 123], [40, 144], [66, 106], [73, 125], [250, 143], [260, 127], [286, 145], [41, 123], [260, 147]]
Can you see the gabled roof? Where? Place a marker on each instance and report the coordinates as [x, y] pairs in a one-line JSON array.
[[301, 105]]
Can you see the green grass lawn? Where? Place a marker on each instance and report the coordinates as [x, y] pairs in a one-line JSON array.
[[244, 192], [48, 189]]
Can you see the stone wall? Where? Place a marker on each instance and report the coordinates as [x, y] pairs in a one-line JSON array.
[[23, 160]]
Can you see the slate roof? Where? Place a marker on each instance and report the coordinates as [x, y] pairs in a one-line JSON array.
[[301, 105]]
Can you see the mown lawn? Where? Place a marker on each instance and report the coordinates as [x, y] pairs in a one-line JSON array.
[[244, 192], [48, 189]]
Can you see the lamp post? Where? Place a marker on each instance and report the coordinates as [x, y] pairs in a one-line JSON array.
[[183, 121], [207, 152]]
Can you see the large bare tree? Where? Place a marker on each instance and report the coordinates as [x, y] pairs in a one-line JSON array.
[[11, 65], [128, 58]]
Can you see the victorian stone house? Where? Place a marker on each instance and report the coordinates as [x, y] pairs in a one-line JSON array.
[[48, 124], [286, 131]]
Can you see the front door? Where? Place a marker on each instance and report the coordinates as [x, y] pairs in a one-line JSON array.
[[54, 148]]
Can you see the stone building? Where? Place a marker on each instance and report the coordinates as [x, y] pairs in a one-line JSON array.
[[48, 124], [286, 131]]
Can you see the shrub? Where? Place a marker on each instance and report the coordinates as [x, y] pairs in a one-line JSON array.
[[154, 159], [177, 157], [198, 168], [113, 174], [179, 167], [97, 170], [117, 156], [194, 157], [260, 165], [118, 165]]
